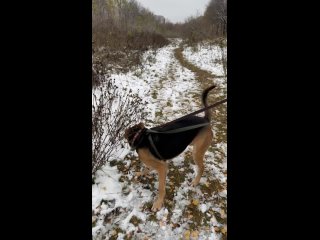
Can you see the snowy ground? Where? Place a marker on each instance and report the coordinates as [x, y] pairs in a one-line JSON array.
[[121, 202], [209, 55]]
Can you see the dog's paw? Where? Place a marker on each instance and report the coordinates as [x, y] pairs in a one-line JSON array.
[[138, 174], [144, 173], [195, 183], [157, 205]]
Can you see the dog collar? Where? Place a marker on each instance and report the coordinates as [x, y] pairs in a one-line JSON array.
[[136, 136]]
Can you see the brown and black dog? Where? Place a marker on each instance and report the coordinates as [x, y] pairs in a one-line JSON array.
[[154, 146]]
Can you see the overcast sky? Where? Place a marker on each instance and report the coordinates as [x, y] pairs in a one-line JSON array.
[[175, 10]]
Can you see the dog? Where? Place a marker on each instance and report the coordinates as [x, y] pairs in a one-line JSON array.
[[157, 145]]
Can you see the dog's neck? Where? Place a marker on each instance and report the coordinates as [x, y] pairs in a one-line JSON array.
[[136, 138]]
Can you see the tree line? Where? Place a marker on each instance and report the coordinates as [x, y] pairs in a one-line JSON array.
[[126, 24]]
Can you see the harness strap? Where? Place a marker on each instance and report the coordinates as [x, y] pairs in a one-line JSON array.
[[180, 129], [136, 136], [154, 147]]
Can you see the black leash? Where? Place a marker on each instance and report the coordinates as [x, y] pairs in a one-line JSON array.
[[183, 129], [193, 113]]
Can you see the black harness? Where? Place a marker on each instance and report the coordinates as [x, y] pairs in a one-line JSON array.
[[138, 138], [178, 130]]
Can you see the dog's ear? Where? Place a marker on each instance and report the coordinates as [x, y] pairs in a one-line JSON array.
[[141, 125]]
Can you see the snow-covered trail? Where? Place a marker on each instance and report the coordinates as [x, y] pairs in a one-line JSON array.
[[175, 91], [122, 202]]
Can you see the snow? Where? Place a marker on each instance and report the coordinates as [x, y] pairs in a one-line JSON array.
[[106, 187], [203, 208], [170, 91], [206, 57]]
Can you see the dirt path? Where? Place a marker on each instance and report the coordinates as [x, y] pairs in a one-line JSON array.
[[219, 122], [206, 79], [188, 213], [176, 94]]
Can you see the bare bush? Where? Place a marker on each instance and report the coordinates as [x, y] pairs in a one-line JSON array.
[[210, 26], [222, 43], [116, 23], [113, 110], [96, 77], [145, 40], [224, 60]]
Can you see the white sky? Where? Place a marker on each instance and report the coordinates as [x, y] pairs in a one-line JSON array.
[[175, 10]]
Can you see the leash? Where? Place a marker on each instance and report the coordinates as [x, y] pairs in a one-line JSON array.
[[179, 129], [193, 113], [183, 129], [139, 133]]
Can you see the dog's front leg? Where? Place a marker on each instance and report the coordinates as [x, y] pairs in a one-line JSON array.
[[161, 167], [162, 173]]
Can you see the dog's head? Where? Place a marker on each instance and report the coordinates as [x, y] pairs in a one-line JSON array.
[[132, 133]]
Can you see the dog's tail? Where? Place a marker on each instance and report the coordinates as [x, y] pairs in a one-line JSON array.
[[204, 102]]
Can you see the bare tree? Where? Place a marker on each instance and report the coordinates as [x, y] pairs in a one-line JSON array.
[[216, 14]]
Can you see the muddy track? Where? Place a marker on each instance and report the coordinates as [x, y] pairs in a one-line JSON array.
[[219, 123], [202, 75], [206, 79], [172, 103]]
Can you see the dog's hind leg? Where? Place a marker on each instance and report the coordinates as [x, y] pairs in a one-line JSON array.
[[200, 145]]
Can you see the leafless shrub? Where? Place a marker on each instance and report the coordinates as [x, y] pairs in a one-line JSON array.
[[112, 111], [144, 40], [96, 78], [221, 42]]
